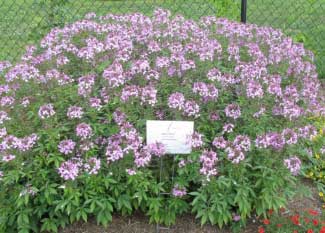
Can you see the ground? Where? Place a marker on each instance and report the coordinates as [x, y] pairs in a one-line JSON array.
[[138, 223]]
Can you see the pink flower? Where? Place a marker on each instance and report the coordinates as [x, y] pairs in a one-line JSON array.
[[66, 146], [75, 112], [69, 170], [157, 149], [179, 191], [83, 131], [293, 164], [233, 111], [46, 111], [7, 158], [176, 101], [92, 166], [191, 108]]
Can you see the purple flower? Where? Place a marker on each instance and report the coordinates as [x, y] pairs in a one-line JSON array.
[[259, 113], [307, 132], [7, 101], [83, 131], [228, 128], [195, 140], [129, 92], [157, 149], [114, 152], [220, 142], [95, 103], [131, 172], [119, 117], [208, 160], [3, 132], [179, 191], [254, 89], [69, 170], [290, 136], [236, 217], [7, 158], [26, 143], [114, 75], [206, 91], [4, 117], [149, 95], [46, 111], [233, 111], [142, 158], [191, 108], [235, 155], [242, 142], [75, 112], [66, 146], [92, 166], [176, 101], [85, 84], [293, 164]]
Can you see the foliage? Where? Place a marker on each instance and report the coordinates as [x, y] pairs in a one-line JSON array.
[[310, 221], [316, 168], [74, 109], [228, 8]]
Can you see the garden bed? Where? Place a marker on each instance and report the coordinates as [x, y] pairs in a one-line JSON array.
[[138, 223]]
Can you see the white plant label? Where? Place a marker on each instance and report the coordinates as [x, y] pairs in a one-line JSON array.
[[172, 134]]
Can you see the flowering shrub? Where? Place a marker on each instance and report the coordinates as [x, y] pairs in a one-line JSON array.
[[73, 114], [316, 168], [310, 221]]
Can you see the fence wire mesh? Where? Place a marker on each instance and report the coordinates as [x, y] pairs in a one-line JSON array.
[[24, 22], [304, 20]]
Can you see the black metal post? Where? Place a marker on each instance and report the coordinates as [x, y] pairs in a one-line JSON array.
[[243, 11]]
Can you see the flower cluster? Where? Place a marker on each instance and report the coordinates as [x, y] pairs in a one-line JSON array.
[[66, 146], [46, 111], [293, 164], [308, 220], [178, 191], [208, 160], [80, 98]]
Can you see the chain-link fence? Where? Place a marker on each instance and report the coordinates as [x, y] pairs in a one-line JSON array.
[[304, 20], [26, 21], [23, 22]]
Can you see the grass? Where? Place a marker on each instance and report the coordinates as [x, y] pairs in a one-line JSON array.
[[304, 20], [24, 22]]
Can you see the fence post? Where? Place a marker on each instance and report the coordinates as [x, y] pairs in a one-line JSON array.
[[243, 11]]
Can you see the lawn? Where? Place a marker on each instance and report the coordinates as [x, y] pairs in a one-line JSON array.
[[25, 21], [302, 19]]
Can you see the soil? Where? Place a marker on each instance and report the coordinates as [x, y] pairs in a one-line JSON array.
[[138, 223]]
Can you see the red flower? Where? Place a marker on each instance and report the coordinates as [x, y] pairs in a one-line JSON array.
[[270, 211], [261, 230], [322, 230], [295, 231], [315, 222], [307, 220], [310, 231], [313, 212], [266, 221], [295, 219], [280, 225]]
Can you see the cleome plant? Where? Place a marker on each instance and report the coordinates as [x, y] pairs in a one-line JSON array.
[[73, 112]]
